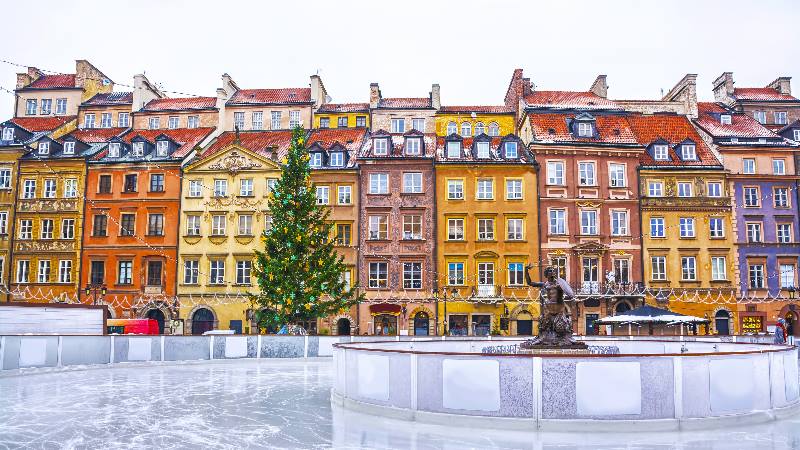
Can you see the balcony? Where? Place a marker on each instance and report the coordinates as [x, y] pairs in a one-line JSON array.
[[598, 289]]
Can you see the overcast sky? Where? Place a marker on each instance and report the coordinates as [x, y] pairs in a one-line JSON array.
[[469, 47]]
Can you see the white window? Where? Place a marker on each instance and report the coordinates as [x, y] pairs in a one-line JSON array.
[[3, 224], [716, 227], [138, 149], [748, 166], [784, 233], [246, 187], [61, 106], [616, 175], [218, 223], [586, 174], [714, 189], [511, 150], [412, 226], [271, 183], [753, 230], [466, 129], [455, 189], [245, 225], [65, 271], [780, 197], [105, 120], [485, 189], [413, 146], [659, 267], [755, 274], [154, 123], [661, 152], [412, 182], [558, 222], [49, 189], [113, 150], [5, 178], [514, 189], [760, 116], [8, 133], [381, 146], [294, 119], [686, 227], [555, 172], [655, 189], [194, 188], [123, 119], [44, 148], [193, 225], [68, 229], [718, 268], [657, 227], [43, 275], [217, 272], [455, 229], [275, 122], [30, 107], [485, 229], [684, 189], [69, 148], [46, 229], [220, 187], [47, 106], [725, 119], [191, 271], [787, 276], [778, 167], [26, 229], [514, 229], [88, 120], [23, 271], [483, 150], [378, 275], [323, 195], [780, 117], [619, 223], [238, 120], [585, 129], [193, 122], [398, 125], [451, 128], [316, 159], [485, 274], [688, 152], [688, 268], [379, 183], [751, 197], [455, 273], [337, 159], [378, 226], [480, 128], [453, 149], [71, 188], [494, 129], [418, 124], [162, 148], [29, 189], [243, 269], [589, 222], [796, 134], [345, 195]]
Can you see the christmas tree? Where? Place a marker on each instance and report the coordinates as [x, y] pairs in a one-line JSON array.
[[299, 272]]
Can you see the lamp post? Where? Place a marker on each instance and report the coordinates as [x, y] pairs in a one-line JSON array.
[[93, 288], [452, 293]]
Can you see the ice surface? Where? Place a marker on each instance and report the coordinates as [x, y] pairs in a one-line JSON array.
[[273, 404]]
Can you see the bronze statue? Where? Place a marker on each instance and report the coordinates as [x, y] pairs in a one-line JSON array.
[[555, 323]]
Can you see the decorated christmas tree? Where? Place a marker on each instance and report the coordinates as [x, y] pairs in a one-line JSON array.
[[299, 272]]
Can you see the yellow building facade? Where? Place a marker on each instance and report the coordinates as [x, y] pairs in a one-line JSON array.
[[467, 121], [342, 115], [487, 233]]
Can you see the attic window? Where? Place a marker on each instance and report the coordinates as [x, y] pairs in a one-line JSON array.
[[316, 159], [452, 128], [511, 150], [413, 146], [337, 159], [381, 147], [69, 148], [725, 119], [138, 149], [483, 150], [161, 148], [454, 149], [660, 152], [8, 133], [688, 152], [585, 129], [113, 150], [44, 148]]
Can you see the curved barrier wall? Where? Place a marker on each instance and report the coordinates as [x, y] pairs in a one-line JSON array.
[[664, 385]]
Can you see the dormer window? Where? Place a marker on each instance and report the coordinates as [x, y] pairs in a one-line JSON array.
[[660, 152], [113, 150], [44, 148], [316, 159], [138, 149], [466, 129], [585, 129], [381, 147], [795, 134], [337, 159], [69, 148], [451, 128], [688, 152], [511, 150], [162, 148], [454, 149], [725, 119], [483, 150], [8, 133], [413, 146]]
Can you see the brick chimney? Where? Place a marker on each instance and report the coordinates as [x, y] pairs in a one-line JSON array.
[[723, 88], [24, 79], [600, 86], [436, 96], [685, 91], [143, 92], [374, 95], [229, 86], [319, 95], [782, 84]]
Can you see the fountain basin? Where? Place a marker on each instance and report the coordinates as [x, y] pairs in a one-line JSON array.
[[649, 385]]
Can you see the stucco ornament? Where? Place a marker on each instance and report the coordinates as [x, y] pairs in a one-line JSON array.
[[234, 162]]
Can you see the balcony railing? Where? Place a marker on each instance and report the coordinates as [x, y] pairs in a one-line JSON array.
[[598, 289]]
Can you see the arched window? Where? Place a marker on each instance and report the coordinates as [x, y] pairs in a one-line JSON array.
[[452, 128], [466, 129], [494, 129], [479, 128]]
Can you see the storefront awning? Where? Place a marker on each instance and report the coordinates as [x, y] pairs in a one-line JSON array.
[[385, 308]]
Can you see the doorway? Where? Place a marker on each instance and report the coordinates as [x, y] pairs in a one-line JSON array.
[[421, 323], [722, 322], [202, 321], [158, 316], [343, 327], [524, 324], [385, 325], [591, 328]]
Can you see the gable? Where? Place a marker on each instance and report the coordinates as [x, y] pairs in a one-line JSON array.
[[232, 160]]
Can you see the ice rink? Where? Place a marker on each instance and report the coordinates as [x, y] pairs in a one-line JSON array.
[[272, 403]]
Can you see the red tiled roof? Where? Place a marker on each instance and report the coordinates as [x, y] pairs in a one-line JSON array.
[[761, 95], [255, 141], [60, 81], [405, 103], [552, 128], [343, 107], [94, 135], [477, 109], [742, 125], [187, 138], [173, 104], [34, 124], [674, 129], [568, 100], [110, 98], [350, 138], [271, 96]]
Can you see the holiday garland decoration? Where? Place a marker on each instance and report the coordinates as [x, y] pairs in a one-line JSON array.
[[299, 272]]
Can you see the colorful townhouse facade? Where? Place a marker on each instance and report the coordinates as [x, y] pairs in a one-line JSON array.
[[773, 105], [486, 223]]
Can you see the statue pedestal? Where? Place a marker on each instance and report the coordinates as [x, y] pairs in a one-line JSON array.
[[577, 348]]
